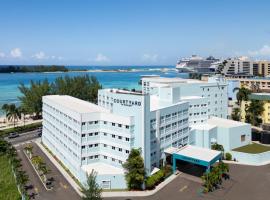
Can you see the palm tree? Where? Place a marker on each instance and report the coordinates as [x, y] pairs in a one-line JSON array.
[[45, 170], [236, 114], [254, 111], [29, 149], [24, 112], [92, 191], [5, 108], [13, 113], [37, 161], [242, 94], [22, 179]]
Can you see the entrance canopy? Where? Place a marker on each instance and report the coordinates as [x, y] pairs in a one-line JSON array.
[[196, 155]]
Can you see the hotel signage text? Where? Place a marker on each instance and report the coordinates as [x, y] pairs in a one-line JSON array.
[[127, 102]]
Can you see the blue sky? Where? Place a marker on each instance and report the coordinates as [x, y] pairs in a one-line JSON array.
[[130, 32]]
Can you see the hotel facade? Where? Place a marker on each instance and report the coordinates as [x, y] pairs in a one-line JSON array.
[[86, 137]]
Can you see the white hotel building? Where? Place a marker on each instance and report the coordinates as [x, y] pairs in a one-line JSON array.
[[85, 136]]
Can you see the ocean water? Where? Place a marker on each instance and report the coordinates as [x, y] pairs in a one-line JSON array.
[[9, 83]]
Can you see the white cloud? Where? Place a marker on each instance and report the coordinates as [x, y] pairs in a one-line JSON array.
[[16, 53], [101, 58], [150, 57], [2, 55], [264, 51], [40, 55]]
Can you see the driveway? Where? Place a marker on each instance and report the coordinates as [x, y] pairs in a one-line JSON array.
[[62, 190], [246, 183]]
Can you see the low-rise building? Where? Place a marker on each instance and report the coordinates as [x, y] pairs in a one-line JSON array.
[[230, 134]]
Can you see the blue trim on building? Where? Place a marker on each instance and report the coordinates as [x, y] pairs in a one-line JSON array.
[[195, 161]]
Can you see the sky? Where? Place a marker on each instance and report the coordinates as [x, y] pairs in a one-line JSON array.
[[131, 32]]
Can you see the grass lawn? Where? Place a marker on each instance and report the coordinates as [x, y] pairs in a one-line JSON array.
[[8, 187], [253, 148]]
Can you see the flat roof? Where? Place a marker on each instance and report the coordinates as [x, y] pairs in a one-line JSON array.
[[76, 104], [197, 153], [102, 168], [221, 122], [203, 126], [171, 80]]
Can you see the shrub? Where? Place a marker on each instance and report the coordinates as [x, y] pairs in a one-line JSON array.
[[155, 179], [228, 156]]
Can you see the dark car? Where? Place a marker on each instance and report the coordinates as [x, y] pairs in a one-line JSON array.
[[13, 135]]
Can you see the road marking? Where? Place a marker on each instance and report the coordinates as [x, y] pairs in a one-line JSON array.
[[183, 188]]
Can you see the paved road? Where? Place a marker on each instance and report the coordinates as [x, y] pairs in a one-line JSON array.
[[62, 190], [247, 183], [24, 137]]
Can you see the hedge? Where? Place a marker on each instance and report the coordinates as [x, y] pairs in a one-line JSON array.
[[158, 177]]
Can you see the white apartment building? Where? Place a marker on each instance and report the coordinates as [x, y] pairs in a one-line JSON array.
[[86, 137], [241, 65]]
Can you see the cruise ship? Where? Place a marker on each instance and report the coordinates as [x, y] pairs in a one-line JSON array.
[[197, 64]]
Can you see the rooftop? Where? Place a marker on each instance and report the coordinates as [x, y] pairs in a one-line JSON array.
[[194, 152], [204, 126], [170, 80], [227, 123], [102, 168], [76, 104]]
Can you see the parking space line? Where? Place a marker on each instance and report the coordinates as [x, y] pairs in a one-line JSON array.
[[183, 188]]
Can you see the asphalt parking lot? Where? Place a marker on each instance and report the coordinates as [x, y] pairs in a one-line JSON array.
[[246, 183], [62, 190]]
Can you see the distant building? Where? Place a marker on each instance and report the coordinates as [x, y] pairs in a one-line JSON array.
[[241, 65]]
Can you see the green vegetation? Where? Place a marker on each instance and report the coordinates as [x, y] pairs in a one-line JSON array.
[[158, 177], [213, 180], [253, 148], [242, 94], [13, 113], [21, 129], [236, 114], [38, 68], [254, 112], [228, 156], [195, 76], [92, 191], [10, 165], [8, 187], [134, 168], [82, 87]]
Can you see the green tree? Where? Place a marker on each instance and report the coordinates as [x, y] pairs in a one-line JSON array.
[[5, 108], [44, 170], [134, 169], [82, 87], [31, 99], [13, 113], [236, 114], [37, 161], [242, 94], [254, 112], [92, 191], [29, 150]]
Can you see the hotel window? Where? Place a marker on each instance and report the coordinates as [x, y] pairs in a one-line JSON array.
[[127, 127], [120, 137], [104, 122], [113, 159], [105, 157], [105, 145], [96, 133], [113, 124], [243, 138], [90, 134], [83, 135], [96, 156], [127, 139], [120, 149], [113, 136], [96, 122], [127, 151], [113, 147], [119, 125], [83, 123], [96, 145], [105, 134]]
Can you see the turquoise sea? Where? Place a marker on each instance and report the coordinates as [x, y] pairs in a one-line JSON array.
[[9, 82]]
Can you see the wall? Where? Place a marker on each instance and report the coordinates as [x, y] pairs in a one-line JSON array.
[[252, 159]]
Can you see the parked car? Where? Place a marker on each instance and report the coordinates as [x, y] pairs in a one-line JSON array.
[[13, 135]]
